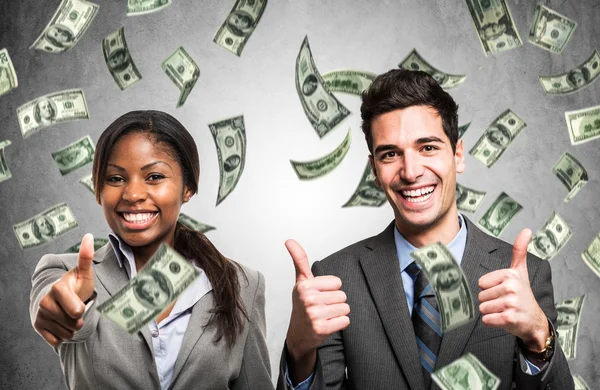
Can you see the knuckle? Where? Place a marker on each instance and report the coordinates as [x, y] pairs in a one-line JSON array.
[[312, 314]]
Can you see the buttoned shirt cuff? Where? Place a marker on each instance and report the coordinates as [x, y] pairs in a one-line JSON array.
[[304, 385]]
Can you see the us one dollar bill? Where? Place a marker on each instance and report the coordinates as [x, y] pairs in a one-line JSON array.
[[4, 171], [571, 173], [455, 302], [88, 183], [118, 59], [367, 193], [575, 79], [583, 125], [497, 137], [567, 324], [51, 109], [230, 139], [580, 383], [550, 30], [308, 170], [322, 109], [67, 26], [414, 61], [551, 238], [462, 129], [500, 213], [8, 76], [465, 373], [141, 7], [591, 256], [75, 155], [193, 224], [494, 24], [45, 227], [183, 71], [166, 275], [239, 25], [353, 82], [98, 243], [468, 199]]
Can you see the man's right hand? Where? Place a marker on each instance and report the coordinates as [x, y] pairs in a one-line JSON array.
[[319, 309], [60, 311]]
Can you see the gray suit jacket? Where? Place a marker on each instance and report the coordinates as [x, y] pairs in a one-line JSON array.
[[104, 356], [378, 350]]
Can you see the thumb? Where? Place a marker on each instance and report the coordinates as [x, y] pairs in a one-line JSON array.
[[85, 272], [300, 259], [519, 254]]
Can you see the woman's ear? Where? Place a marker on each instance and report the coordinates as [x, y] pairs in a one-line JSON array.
[[187, 194]]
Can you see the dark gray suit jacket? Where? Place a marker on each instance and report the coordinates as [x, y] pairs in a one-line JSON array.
[[378, 350]]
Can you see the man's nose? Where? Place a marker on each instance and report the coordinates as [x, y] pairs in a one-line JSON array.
[[412, 167]]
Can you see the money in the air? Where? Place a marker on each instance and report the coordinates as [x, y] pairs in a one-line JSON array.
[[308, 170], [141, 7], [580, 383], [98, 243], [567, 324], [583, 125], [465, 373], [550, 30], [193, 224], [414, 61], [45, 227], [183, 71], [74, 155], [118, 59], [88, 183], [468, 199], [462, 129], [500, 213], [571, 173], [353, 82], [4, 171], [591, 256], [367, 193], [495, 26], [551, 238], [497, 137], [239, 25], [573, 80], [8, 76]]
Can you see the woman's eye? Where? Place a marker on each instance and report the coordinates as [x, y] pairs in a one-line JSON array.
[[114, 179], [155, 176]]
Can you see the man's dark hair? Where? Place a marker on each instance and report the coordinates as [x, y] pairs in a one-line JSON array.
[[398, 89]]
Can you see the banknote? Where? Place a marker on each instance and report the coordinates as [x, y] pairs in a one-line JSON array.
[[591, 256], [74, 155], [497, 137], [575, 79], [465, 373], [550, 30], [67, 26], [468, 199], [583, 125], [414, 61], [567, 324], [580, 383], [308, 170], [571, 173], [51, 109], [45, 226], [455, 302], [239, 25], [193, 224], [4, 171], [141, 7], [462, 129], [367, 193], [118, 59], [353, 82], [98, 243], [322, 109], [88, 183], [151, 291], [183, 71], [494, 24], [551, 238], [230, 139], [8, 76], [500, 213]]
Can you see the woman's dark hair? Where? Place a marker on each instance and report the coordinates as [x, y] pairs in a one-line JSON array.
[[168, 132], [398, 89]]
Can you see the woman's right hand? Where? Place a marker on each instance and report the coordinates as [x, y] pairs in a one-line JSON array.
[[61, 310]]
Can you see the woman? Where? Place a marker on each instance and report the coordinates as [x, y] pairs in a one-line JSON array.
[[212, 337]]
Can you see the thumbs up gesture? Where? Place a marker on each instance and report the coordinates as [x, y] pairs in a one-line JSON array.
[[60, 311], [507, 301]]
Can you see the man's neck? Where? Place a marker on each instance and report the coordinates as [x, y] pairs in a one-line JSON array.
[[443, 230]]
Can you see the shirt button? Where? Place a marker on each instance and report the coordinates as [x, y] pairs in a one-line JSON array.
[[154, 333]]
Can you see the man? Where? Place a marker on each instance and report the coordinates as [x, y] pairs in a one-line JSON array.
[[357, 317], [499, 136], [44, 112], [545, 243], [240, 23], [60, 36], [43, 229], [577, 78]]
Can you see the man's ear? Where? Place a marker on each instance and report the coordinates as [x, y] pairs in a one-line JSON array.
[[372, 162], [459, 156]]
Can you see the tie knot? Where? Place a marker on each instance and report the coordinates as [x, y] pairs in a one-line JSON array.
[[413, 270]]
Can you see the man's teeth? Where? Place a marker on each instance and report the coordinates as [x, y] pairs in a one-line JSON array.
[[138, 217], [418, 192]]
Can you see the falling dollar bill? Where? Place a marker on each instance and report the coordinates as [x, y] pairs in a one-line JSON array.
[[583, 125], [88, 183], [4, 171], [591, 256], [353, 82], [67, 26], [51, 109], [414, 61], [322, 109], [308, 170], [468, 199], [571, 173], [550, 30], [367, 193], [141, 7], [230, 139], [551, 238], [118, 59], [45, 226], [98, 243], [567, 324], [462, 129], [494, 24], [465, 373], [575, 79], [497, 137], [239, 25], [75, 155], [193, 224], [8, 76], [151, 291], [183, 71], [455, 302], [580, 383], [500, 213]]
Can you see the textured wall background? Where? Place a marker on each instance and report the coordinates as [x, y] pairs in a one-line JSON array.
[[270, 204]]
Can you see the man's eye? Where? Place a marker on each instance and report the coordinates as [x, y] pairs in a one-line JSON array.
[[429, 148], [389, 155]]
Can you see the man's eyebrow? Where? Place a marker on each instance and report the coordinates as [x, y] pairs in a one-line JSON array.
[[384, 148], [426, 140]]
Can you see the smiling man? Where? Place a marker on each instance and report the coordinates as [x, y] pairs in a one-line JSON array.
[[362, 318]]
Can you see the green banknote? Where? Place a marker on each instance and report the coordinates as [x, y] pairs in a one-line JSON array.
[[494, 24], [98, 243], [571, 173], [591, 256], [497, 137], [465, 373], [88, 183], [141, 7], [367, 193], [567, 324], [75, 155], [193, 224], [468, 199], [4, 171], [353, 82], [573, 80], [414, 61], [118, 59], [67, 26], [462, 129], [183, 71], [8, 76], [308, 170], [239, 25], [45, 227], [551, 238], [550, 30], [500, 213], [583, 125], [580, 383]]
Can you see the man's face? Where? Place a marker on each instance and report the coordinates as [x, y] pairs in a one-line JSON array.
[[546, 245], [498, 137], [59, 35], [116, 60], [43, 226], [152, 289], [239, 21], [448, 277], [45, 109], [566, 318], [577, 78], [493, 30]]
